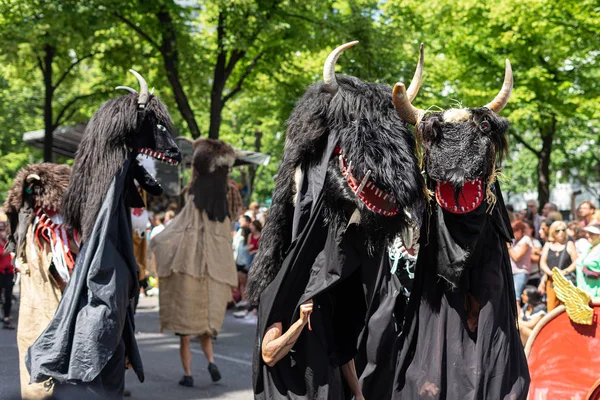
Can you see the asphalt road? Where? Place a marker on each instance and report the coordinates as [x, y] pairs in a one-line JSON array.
[[162, 366]]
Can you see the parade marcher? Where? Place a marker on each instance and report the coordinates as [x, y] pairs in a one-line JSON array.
[[347, 176], [91, 339], [460, 339], [194, 261], [43, 251]]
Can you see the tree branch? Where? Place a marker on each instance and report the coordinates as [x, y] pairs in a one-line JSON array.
[[70, 68], [41, 65], [240, 81], [59, 118], [236, 55], [137, 29], [524, 143]]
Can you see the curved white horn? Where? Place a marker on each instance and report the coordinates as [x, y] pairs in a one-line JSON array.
[[502, 97], [415, 84], [130, 90], [143, 98], [329, 68]]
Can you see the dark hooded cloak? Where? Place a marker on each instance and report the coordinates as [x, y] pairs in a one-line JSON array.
[[440, 356], [93, 329]]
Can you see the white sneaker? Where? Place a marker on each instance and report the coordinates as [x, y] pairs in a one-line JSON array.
[[240, 314], [242, 304]]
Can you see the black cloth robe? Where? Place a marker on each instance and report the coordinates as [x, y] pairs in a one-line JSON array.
[[439, 357], [331, 265], [85, 346]]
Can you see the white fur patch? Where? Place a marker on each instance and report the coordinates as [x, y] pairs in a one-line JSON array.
[[457, 115], [221, 161], [297, 183]]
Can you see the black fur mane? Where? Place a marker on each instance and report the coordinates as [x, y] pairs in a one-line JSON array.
[[105, 146], [371, 135]]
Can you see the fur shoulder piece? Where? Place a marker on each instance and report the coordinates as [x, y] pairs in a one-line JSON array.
[[48, 183], [211, 155]]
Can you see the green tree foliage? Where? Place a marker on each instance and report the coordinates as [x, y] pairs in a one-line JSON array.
[[235, 69]]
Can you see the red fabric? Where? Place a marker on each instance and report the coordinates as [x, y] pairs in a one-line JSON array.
[[253, 242], [6, 266]]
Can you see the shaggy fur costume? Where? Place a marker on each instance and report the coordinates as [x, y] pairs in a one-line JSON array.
[[372, 136], [37, 190], [109, 139], [47, 192], [84, 348], [460, 339]]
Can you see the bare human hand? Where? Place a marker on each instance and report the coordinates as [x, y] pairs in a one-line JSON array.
[[305, 311]]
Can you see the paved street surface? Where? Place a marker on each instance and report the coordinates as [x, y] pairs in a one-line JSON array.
[[160, 353]]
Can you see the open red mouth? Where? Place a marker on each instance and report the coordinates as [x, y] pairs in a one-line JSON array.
[[158, 155], [370, 195], [469, 198]]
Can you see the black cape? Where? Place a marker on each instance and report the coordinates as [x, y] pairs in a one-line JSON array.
[[331, 265], [93, 329], [439, 357]]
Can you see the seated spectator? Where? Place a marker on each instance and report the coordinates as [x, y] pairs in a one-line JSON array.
[[588, 266], [558, 252], [520, 256], [531, 313]]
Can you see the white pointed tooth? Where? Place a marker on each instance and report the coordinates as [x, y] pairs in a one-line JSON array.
[[386, 196], [472, 204], [462, 208]]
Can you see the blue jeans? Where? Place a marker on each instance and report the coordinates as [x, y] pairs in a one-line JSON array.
[[520, 281]]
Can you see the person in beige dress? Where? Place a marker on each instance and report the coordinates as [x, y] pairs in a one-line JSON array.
[[44, 254], [194, 262]]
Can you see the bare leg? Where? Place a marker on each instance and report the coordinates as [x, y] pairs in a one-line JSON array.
[[207, 348], [242, 279], [186, 355]]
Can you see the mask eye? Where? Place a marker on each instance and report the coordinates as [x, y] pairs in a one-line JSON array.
[[161, 128], [485, 126]]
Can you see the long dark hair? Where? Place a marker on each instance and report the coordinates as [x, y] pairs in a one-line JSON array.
[[101, 154], [245, 234]]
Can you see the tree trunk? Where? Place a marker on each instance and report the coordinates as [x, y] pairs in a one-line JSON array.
[[253, 168], [547, 134], [48, 95], [168, 49]]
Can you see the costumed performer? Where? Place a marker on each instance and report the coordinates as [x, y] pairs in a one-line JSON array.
[[44, 253], [460, 339], [85, 349], [348, 175], [194, 261]]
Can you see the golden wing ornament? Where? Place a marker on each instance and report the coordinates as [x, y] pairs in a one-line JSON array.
[[576, 300]]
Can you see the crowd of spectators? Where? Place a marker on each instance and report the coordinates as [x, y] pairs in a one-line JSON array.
[[544, 241]]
